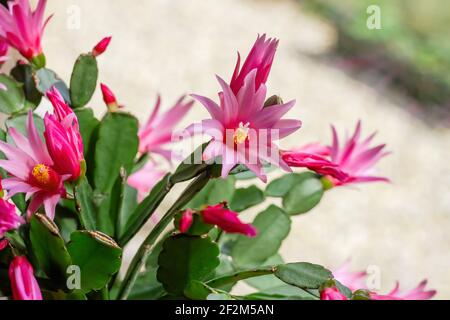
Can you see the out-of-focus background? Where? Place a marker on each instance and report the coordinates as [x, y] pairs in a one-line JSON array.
[[395, 79]]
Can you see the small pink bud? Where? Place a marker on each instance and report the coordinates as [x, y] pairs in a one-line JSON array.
[[109, 98], [101, 46], [3, 244], [23, 283], [186, 220]]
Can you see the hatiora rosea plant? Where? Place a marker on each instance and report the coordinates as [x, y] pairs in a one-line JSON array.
[[99, 181]]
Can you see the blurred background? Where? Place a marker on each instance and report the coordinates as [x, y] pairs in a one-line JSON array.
[[396, 79]]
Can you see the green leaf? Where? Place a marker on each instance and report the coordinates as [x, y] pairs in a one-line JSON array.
[[116, 148], [304, 196], [88, 125], [84, 80], [45, 79], [12, 99], [273, 227], [303, 275], [97, 256], [245, 198], [49, 248], [267, 281], [281, 186], [191, 167], [109, 209], [343, 289], [19, 122], [88, 211], [216, 191], [184, 259], [24, 74]]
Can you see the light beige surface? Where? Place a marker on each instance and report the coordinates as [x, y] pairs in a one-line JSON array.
[[176, 47]]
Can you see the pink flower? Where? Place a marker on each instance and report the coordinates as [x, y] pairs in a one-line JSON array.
[[242, 130], [9, 219], [349, 163], [260, 58], [186, 220], [332, 293], [227, 220], [3, 51], [145, 179], [31, 170], [352, 280], [158, 130], [23, 28], [417, 293], [101, 47], [23, 283], [63, 137]]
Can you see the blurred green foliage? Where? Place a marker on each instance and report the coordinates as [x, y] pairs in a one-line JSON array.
[[413, 42]]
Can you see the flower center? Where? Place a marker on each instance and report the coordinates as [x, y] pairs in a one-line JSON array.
[[241, 133], [45, 177]]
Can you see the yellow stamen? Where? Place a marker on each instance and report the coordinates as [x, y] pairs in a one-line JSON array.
[[241, 133], [41, 173]]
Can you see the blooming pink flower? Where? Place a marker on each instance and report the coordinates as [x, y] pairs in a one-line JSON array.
[[31, 170], [352, 280], [186, 220], [260, 58], [243, 130], [350, 163], [23, 28], [332, 293], [3, 51], [101, 47], [158, 129], [23, 283], [63, 137], [145, 179], [9, 219], [227, 220], [417, 293]]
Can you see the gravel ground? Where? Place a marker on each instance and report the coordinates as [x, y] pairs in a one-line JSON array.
[[175, 47]]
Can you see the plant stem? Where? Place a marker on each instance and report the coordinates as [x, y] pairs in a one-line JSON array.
[[147, 246], [77, 207], [241, 275]]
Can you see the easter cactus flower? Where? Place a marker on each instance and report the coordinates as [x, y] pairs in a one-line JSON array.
[[418, 293], [242, 130], [351, 162], [3, 51], [63, 138], [101, 47], [31, 170], [9, 219], [158, 130], [23, 28], [3, 244], [332, 293], [145, 179], [23, 283], [260, 59], [352, 280]]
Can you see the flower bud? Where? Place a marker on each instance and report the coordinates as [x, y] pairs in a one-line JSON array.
[[186, 220], [101, 47], [23, 283]]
